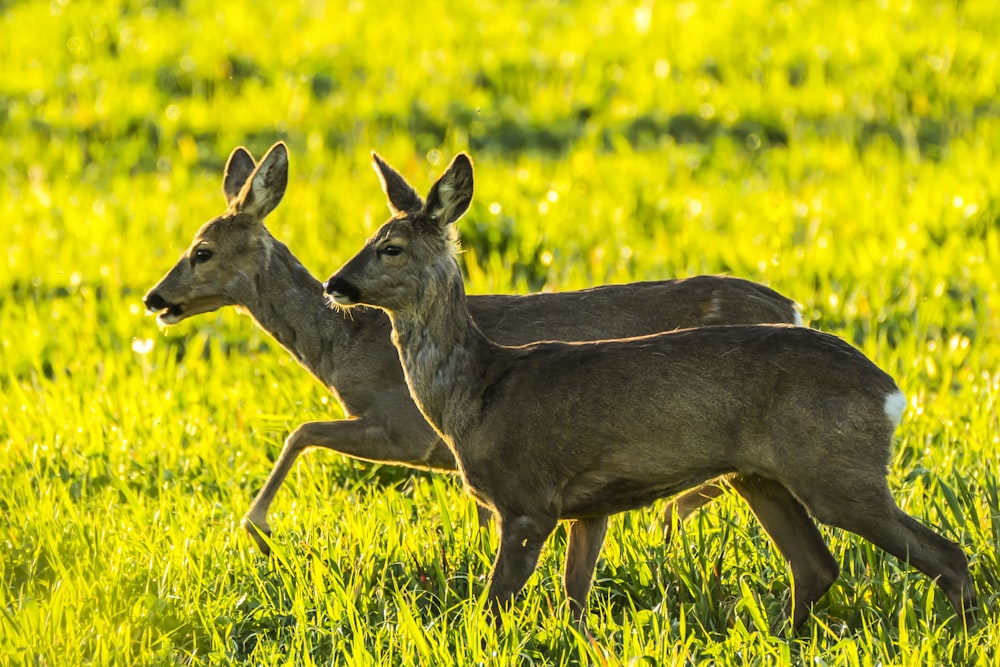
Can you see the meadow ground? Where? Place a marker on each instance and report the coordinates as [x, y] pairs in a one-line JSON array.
[[844, 153]]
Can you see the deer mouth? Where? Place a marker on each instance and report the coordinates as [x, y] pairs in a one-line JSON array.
[[171, 315], [166, 312], [339, 299], [341, 292]]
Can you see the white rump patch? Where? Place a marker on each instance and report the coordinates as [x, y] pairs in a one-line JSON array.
[[798, 317], [895, 403]]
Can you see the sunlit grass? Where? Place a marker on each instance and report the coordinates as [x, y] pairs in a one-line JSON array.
[[843, 153]]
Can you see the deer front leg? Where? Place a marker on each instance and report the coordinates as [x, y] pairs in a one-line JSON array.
[[586, 537], [521, 540], [360, 438]]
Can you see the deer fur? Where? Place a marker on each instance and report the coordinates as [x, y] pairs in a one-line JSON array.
[[234, 260], [801, 421]]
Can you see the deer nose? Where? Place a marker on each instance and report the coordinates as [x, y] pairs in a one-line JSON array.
[[342, 291], [154, 301]]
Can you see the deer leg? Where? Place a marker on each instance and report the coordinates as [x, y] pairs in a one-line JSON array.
[[586, 537], [359, 438], [521, 540], [876, 517], [687, 503], [814, 569], [255, 520]]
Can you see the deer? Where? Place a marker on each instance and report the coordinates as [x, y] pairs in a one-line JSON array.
[[799, 422], [234, 260]]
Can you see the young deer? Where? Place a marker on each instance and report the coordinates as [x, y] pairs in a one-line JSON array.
[[800, 421], [234, 260]]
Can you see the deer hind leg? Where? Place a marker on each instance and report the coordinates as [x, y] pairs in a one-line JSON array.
[[874, 515], [682, 506], [814, 569], [586, 537]]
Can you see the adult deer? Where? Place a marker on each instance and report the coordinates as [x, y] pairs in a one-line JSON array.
[[801, 421], [234, 260]]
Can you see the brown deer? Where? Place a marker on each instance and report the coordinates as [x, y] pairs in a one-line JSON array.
[[234, 260], [800, 421]]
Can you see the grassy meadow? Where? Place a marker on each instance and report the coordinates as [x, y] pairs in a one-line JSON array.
[[845, 153]]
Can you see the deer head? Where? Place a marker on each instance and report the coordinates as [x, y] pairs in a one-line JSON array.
[[389, 269], [219, 267]]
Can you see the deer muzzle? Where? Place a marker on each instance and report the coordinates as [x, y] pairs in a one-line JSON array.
[[341, 291], [168, 313]]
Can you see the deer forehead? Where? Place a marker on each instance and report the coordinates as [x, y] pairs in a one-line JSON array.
[[397, 229], [412, 224], [232, 230], [423, 238], [402, 231]]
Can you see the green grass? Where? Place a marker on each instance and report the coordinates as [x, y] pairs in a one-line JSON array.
[[844, 153]]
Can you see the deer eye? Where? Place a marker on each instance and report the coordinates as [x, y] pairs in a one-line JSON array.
[[202, 255], [390, 251]]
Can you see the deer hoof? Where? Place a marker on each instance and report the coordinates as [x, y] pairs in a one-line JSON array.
[[260, 535]]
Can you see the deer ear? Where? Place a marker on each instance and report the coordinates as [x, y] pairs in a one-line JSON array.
[[266, 185], [401, 197], [239, 166], [450, 197]]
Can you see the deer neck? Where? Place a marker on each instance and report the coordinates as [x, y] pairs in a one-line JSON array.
[[288, 303], [442, 352]]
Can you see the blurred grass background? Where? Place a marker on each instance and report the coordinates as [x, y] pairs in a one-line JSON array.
[[844, 153]]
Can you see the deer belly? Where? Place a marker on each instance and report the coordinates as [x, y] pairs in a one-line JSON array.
[[595, 495]]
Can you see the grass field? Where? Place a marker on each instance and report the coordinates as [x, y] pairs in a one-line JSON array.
[[845, 153]]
